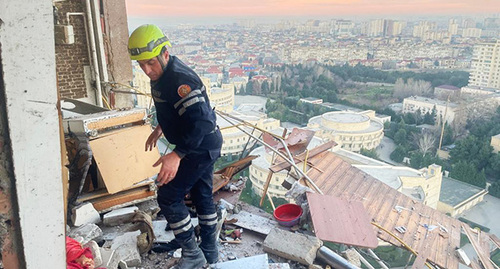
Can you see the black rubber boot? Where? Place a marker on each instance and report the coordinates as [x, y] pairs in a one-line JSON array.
[[209, 244], [192, 256]]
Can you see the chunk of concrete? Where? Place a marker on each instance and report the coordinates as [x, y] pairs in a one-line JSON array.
[[96, 252], [85, 214], [126, 246], [87, 232], [352, 256], [119, 216], [292, 246], [110, 258], [254, 262], [279, 266]]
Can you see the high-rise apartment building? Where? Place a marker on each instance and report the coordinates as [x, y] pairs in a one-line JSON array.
[[485, 66], [453, 27], [376, 27], [423, 28]]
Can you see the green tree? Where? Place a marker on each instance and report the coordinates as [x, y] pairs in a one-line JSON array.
[[400, 137], [472, 150], [467, 172], [265, 87], [494, 189], [494, 166], [249, 87], [371, 153], [398, 154], [448, 137]]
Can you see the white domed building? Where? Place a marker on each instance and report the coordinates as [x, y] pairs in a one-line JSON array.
[[351, 130]]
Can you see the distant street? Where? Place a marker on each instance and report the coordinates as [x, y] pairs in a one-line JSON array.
[[385, 149]]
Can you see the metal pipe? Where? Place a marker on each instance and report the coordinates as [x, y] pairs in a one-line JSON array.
[[100, 43], [94, 55], [334, 259], [363, 260], [291, 162], [379, 261]]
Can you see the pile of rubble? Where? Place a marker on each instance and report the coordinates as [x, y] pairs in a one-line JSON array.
[[135, 237]]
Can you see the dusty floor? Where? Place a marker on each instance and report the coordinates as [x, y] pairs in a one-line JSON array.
[[251, 245]]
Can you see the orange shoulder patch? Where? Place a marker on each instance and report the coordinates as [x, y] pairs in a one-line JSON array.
[[183, 90]]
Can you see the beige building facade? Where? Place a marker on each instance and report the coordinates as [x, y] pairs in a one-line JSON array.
[[495, 143], [222, 98], [485, 66], [425, 105], [351, 130]]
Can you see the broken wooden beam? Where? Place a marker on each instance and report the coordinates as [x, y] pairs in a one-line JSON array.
[[301, 157]]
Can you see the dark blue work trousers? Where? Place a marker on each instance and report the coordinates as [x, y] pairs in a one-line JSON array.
[[195, 175]]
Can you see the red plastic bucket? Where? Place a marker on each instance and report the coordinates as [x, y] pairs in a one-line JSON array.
[[288, 214]]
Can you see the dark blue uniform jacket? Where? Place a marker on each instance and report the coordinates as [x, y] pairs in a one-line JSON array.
[[185, 116]]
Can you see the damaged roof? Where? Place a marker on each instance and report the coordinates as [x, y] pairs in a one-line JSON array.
[[390, 208]]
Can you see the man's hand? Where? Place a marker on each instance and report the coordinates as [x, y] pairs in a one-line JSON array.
[[169, 165], [153, 138]]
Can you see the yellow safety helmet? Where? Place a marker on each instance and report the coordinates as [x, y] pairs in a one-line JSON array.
[[146, 42]]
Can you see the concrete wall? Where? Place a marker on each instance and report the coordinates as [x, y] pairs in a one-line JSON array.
[[29, 85], [431, 184], [115, 42], [71, 59], [10, 233]]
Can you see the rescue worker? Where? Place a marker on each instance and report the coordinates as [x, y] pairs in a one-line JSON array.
[[187, 121]]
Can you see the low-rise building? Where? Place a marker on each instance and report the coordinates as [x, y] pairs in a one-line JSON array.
[[222, 98], [425, 105], [456, 197], [351, 130], [495, 143], [311, 100], [444, 91]]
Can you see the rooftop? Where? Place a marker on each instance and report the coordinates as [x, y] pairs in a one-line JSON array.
[[431, 100], [454, 192]]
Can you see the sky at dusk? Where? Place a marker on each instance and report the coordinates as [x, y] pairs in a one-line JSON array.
[[282, 8]]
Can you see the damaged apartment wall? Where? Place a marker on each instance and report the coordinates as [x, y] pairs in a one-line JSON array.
[[31, 119], [10, 237], [115, 40], [72, 60], [75, 73]]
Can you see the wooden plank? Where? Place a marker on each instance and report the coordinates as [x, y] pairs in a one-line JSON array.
[[454, 242], [353, 186], [110, 201], [441, 242], [327, 180], [364, 188], [419, 263], [332, 214], [103, 192], [266, 186], [116, 120], [121, 158], [341, 181], [495, 240], [301, 157], [475, 264], [386, 212], [422, 232], [400, 219], [485, 260]]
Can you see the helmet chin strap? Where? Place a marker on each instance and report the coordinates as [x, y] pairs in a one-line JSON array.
[[162, 60]]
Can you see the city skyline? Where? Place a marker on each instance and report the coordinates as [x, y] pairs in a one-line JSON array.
[[294, 8]]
